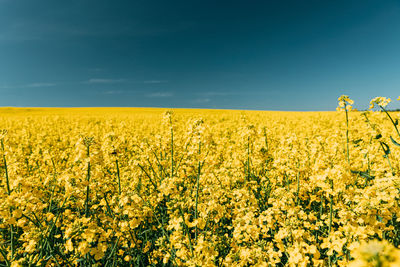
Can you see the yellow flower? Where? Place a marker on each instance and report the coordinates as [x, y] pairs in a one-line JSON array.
[[3, 133], [69, 245], [31, 246], [380, 101], [376, 253], [17, 213], [344, 103]]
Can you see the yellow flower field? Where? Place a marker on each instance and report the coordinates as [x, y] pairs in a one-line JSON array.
[[133, 186]]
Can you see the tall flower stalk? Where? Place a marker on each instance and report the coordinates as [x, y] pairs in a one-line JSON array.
[[345, 103], [382, 102], [88, 141], [3, 133]]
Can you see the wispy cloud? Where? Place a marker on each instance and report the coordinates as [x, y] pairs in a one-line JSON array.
[[201, 100], [28, 85], [155, 81], [103, 81], [40, 85], [4, 86], [159, 94], [113, 92], [211, 94]]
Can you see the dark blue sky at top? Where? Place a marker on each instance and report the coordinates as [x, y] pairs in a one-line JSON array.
[[269, 55]]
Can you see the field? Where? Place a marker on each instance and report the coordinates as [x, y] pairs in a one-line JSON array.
[[131, 186]]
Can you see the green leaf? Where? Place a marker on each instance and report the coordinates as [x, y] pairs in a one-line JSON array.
[[385, 148], [394, 142], [364, 174]]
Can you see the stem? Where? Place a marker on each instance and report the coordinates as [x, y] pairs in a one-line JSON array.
[[330, 214], [5, 168], [148, 176], [3, 252], [87, 186], [330, 220], [8, 192], [266, 139], [347, 133], [387, 157], [298, 186], [197, 190], [12, 241], [172, 151], [287, 181], [119, 178], [172, 252], [390, 117], [54, 185], [320, 215], [187, 232], [248, 157]]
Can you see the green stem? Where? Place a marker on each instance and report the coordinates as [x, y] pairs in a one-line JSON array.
[[266, 139], [330, 209], [87, 186], [320, 215], [187, 232], [8, 192], [164, 232], [197, 190], [330, 214], [148, 176], [330, 220], [119, 178], [248, 157], [172, 151], [387, 157], [5, 169], [3, 252], [347, 134], [390, 117], [298, 186], [53, 186]]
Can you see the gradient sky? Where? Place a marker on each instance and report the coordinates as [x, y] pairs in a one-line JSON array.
[[268, 55]]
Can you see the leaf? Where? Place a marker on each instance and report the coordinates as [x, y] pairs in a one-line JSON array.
[[364, 174], [394, 142], [357, 142], [385, 148]]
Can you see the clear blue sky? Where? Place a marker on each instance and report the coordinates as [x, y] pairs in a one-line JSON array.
[[269, 55]]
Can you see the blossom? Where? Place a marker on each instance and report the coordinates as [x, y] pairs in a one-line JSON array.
[[344, 103], [380, 101]]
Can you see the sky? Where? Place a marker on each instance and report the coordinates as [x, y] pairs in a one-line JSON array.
[[250, 54]]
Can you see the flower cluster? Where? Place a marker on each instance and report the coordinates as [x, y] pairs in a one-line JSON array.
[[376, 253], [344, 103], [379, 101]]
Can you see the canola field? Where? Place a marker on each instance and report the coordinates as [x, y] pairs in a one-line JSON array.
[[153, 187]]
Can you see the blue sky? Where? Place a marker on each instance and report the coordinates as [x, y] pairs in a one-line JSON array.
[[268, 55]]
